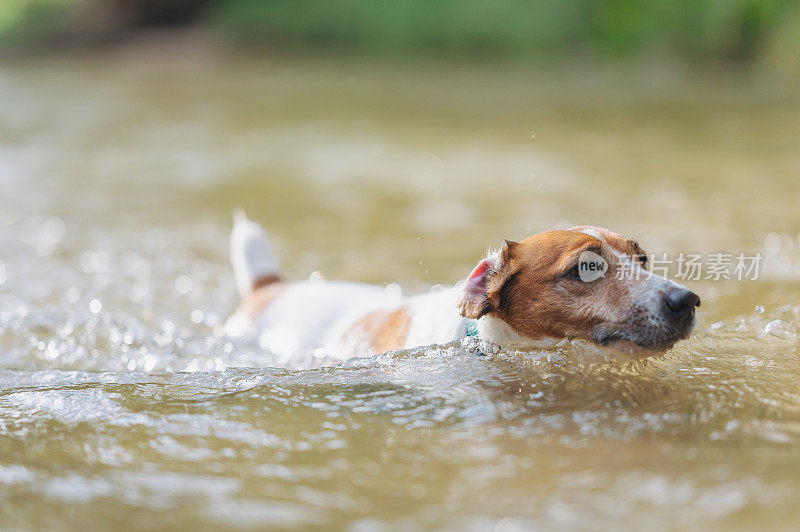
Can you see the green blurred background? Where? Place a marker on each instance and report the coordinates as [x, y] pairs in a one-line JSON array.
[[760, 32]]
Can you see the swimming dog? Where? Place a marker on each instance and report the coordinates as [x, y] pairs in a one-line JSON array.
[[584, 283]]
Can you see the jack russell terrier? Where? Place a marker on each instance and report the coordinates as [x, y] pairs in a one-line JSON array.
[[527, 295]]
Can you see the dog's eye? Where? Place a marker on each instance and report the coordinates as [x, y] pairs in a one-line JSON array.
[[573, 272]]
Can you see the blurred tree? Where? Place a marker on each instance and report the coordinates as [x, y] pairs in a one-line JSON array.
[[722, 30]]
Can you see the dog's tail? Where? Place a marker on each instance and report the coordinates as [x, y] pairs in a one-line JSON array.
[[252, 257]]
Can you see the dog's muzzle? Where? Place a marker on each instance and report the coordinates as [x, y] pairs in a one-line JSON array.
[[654, 327], [679, 307]]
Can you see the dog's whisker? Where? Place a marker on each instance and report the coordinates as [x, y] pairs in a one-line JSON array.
[[717, 296]]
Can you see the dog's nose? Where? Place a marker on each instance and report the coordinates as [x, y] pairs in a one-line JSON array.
[[681, 302]]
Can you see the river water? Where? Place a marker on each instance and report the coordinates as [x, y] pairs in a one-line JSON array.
[[121, 408]]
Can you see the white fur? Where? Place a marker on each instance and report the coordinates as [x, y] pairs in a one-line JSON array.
[[314, 317], [499, 332], [252, 255]]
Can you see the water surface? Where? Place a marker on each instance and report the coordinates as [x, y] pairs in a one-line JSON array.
[[120, 407]]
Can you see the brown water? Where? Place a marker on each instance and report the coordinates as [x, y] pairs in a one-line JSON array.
[[119, 407]]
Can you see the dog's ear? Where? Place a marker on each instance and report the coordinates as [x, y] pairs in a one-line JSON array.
[[482, 287]]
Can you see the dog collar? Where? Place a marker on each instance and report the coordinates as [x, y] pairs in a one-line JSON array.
[[471, 328], [472, 344]]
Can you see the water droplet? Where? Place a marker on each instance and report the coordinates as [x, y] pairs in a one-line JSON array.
[[50, 234], [787, 243], [183, 284], [212, 319], [489, 348], [51, 351], [393, 291], [73, 294], [760, 309], [772, 243], [778, 328], [94, 261], [95, 306]]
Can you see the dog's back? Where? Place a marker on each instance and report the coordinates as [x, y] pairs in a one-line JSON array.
[[332, 318]]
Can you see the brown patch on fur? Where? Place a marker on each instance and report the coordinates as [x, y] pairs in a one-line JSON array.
[[380, 331], [265, 280], [624, 245], [254, 303], [528, 288]]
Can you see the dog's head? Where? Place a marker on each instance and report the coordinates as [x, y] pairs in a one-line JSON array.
[[586, 283]]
